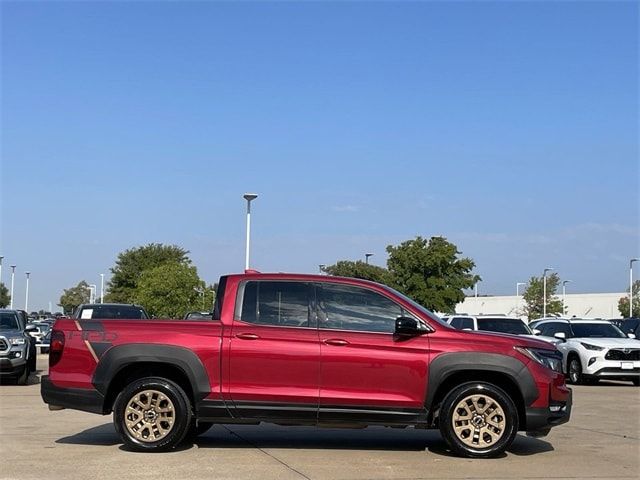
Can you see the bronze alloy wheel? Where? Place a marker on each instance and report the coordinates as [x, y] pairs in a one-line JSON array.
[[478, 421], [152, 414], [149, 416]]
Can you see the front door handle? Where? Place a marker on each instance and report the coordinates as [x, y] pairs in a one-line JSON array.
[[247, 336], [336, 342]]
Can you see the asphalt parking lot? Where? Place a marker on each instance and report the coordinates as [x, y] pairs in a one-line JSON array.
[[601, 441]]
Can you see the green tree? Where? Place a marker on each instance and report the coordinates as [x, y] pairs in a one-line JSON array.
[[169, 290], [74, 296], [359, 269], [131, 265], [623, 303], [431, 272], [5, 298], [534, 297]]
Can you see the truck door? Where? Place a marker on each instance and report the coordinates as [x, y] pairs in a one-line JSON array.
[[274, 352], [367, 373]]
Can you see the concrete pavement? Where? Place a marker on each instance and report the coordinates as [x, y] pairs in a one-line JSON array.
[[601, 441]]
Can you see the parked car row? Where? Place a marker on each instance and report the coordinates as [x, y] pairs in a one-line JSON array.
[[591, 349]]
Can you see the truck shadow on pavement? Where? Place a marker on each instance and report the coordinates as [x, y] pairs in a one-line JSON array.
[[272, 436]]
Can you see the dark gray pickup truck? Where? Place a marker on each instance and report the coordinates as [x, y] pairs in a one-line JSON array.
[[17, 347]]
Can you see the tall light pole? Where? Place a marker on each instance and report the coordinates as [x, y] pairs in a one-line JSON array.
[[475, 287], [13, 274], [631, 285], [102, 288], [544, 291], [366, 257], [248, 197], [26, 295], [1, 257], [564, 295], [92, 294]]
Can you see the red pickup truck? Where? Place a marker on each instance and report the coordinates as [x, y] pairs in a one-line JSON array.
[[306, 350]]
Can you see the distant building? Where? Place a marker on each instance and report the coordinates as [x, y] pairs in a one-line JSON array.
[[582, 305]]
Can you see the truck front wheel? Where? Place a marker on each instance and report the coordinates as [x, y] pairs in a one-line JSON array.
[[478, 419], [152, 414]]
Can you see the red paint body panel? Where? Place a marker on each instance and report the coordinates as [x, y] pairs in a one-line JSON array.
[[373, 369], [281, 365]]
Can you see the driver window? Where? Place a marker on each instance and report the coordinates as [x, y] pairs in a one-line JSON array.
[[344, 307]]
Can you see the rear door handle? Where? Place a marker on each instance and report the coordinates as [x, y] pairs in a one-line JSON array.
[[337, 342], [247, 336]]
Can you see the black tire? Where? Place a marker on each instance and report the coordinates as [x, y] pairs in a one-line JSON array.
[[23, 377], [33, 352], [495, 407], [197, 428], [166, 396], [574, 369]]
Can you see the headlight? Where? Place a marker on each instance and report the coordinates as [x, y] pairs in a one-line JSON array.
[[17, 341], [588, 346], [552, 359]]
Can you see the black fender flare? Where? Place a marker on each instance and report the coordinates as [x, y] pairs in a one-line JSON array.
[[121, 356], [447, 364]]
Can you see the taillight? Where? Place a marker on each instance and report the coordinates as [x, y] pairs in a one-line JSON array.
[[56, 346]]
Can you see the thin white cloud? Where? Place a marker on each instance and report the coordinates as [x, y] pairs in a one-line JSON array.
[[345, 208]]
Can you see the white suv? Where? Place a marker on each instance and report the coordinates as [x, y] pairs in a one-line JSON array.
[[490, 323], [593, 349]]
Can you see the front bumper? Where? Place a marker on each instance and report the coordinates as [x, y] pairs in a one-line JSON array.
[[596, 366], [12, 367], [76, 398], [541, 420], [615, 373]]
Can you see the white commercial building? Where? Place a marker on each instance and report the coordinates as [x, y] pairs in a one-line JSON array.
[[582, 305]]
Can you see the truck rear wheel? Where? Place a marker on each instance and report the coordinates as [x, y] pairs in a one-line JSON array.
[[152, 414], [478, 419]]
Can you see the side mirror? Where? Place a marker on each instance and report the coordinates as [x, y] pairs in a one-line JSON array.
[[536, 331], [631, 335], [560, 335], [408, 326], [30, 329]]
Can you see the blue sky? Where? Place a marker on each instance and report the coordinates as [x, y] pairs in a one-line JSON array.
[[510, 128]]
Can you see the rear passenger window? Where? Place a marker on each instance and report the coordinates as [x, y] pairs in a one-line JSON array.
[[550, 329], [462, 322], [284, 304]]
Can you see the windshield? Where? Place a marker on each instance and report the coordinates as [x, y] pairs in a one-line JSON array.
[[514, 326], [598, 330], [9, 321], [418, 307]]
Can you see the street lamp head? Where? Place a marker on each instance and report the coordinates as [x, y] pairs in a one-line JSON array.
[[13, 267], [547, 270], [564, 282], [27, 274], [633, 260], [250, 196]]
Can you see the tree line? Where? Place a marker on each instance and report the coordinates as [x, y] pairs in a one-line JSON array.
[[433, 272], [159, 277]]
